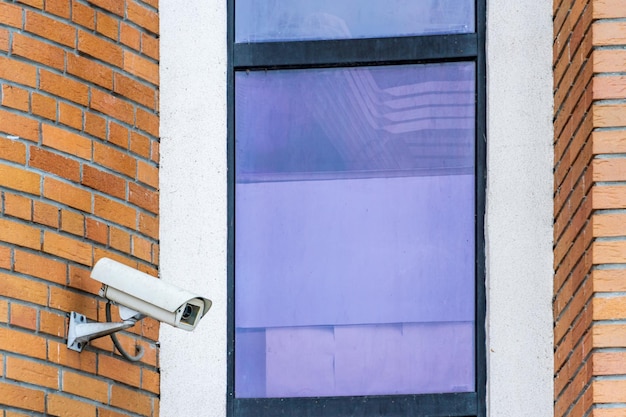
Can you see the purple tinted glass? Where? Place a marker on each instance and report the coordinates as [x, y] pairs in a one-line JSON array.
[[287, 20], [354, 231]]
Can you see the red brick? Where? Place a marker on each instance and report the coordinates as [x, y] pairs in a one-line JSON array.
[[90, 70], [95, 125], [148, 122], [19, 179], [50, 29], [141, 67], [96, 231], [66, 141], [36, 265], [54, 163], [130, 36], [67, 194], [150, 46], [118, 135], [113, 6], [15, 97], [112, 106], [62, 86], [140, 144], [16, 71], [143, 197], [114, 159], [22, 126], [32, 372], [44, 106], [135, 91], [67, 248], [104, 181], [38, 51], [100, 48]]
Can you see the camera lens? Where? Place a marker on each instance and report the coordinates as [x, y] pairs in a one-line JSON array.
[[187, 312]]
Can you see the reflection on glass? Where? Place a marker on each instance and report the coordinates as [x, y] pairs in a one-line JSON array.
[[286, 20], [354, 259]]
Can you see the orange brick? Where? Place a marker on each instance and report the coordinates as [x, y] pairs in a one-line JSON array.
[[21, 343], [135, 91], [34, 3], [609, 33], [148, 174], [44, 106], [96, 231], [59, 353], [17, 206], [65, 300], [16, 71], [115, 212], [120, 240], [62, 86], [21, 397], [148, 122], [45, 214], [130, 36], [142, 248], [66, 141], [72, 222], [67, 194], [4, 40], [606, 9], [5, 257], [80, 279], [85, 386], [58, 405], [108, 413], [23, 316], [32, 372], [50, 29], [116, 107], [118, 370], [613, 87], [67, 248], [153, 3], [131, 400], [150, 46], [608, 391], [54, 163], [19, 234], [141, 67], [143, 197], [116, 160], [36, 265], [608, 412], [90, 70], [38, 51], [149, 225], [118, 135], [155, 152], [12, 150], [107, 25], [83, 15], [143, 16], [11, 15], [113, 6], [609, 280], [607, 197], [70, 115], [58, 7], [15, 97], [140, 144], [19, 179], [150, 381], [609, 308], [4, 317], [100, 48], [150, 328], [15, 124], [95, 125], [52, 324], [609, 60], [103, 181]]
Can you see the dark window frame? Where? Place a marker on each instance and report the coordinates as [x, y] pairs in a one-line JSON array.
[[352, 53]]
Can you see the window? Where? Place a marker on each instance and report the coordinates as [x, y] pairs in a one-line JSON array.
[[356, 155]]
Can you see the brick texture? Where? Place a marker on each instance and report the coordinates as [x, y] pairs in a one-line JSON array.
[[79, 180], [589, 231]]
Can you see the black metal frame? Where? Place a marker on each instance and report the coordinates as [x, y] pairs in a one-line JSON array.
[[350, 53]]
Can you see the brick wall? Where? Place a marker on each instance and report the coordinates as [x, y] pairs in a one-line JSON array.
[[79, 158], [589, 202]]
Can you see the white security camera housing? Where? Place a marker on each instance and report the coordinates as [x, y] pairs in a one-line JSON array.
[[149, 296]]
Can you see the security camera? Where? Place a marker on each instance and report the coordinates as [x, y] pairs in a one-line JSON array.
[[137, 295]]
